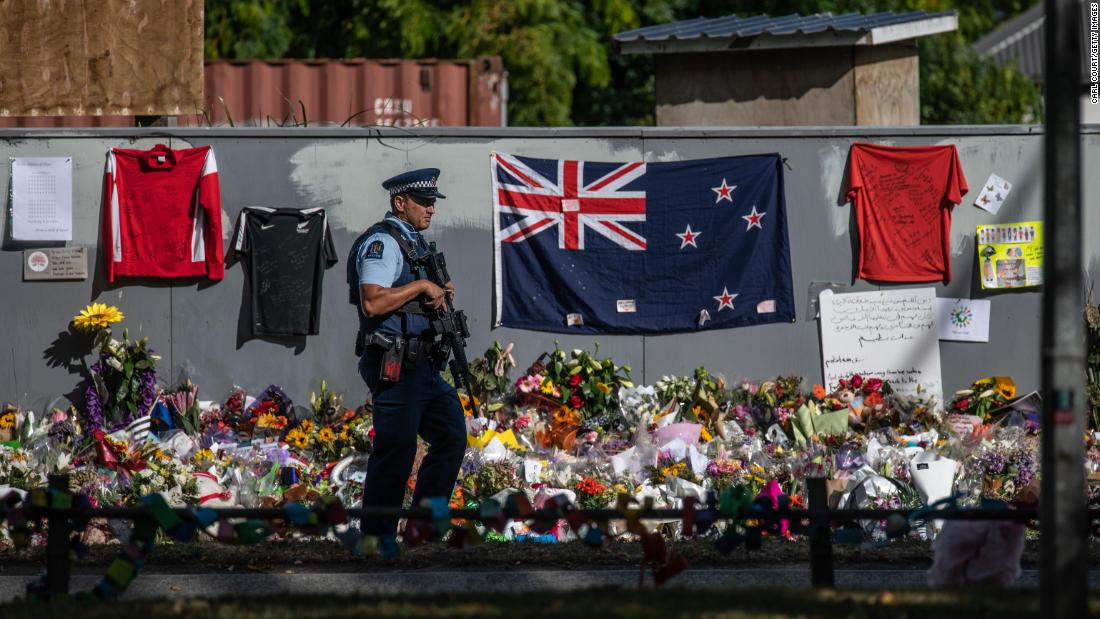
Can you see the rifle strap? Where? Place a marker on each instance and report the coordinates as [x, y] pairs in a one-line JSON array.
[[407, 250], [412, 257]]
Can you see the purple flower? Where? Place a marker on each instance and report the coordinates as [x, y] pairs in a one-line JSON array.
[[993, 463], [93, 405]]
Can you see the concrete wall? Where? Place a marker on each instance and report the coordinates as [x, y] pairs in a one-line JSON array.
[[197, 326], [873, 86]]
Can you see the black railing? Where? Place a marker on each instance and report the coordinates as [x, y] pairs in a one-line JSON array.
[[816, 522]]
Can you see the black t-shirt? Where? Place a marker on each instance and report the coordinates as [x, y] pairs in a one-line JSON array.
[[285, 253]]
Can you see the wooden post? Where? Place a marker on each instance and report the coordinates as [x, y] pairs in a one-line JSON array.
[[57, 540], [821, 537]]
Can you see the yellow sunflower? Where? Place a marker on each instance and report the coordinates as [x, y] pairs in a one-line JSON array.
[[465, 401], [297, 438], [306, 426], [345, 433], [7, 420], [96, 316], [266, 420], [326, 435]]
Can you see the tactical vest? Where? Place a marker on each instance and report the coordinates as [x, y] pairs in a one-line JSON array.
[[398, 322]]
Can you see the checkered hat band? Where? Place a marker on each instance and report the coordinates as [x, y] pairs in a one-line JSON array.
[[414, 185]]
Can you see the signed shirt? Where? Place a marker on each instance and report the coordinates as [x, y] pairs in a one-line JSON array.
[[902, 198], [285, 253], [162, 213]]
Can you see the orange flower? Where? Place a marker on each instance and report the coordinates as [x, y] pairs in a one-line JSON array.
[[819, 392], [588, 485], [873, 399]]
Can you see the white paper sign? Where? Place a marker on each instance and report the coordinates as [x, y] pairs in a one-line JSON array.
[[963, 320], [890, 334], [993, 194], [42, 198]]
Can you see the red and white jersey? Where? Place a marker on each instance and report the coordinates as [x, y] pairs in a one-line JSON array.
[[162, 213]]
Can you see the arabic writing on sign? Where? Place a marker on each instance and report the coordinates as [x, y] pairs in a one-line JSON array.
[[889, 334]]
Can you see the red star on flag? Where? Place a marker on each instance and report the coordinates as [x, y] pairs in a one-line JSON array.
[[687, 237], [754, 219], [725, 299], [724, 192]]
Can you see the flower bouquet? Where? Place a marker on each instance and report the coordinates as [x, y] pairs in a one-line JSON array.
[[561, 432], [489, 478], [268, 416], [1007, 471], [122, 385], [326, 404], [490, 378], [184, 405], [593, 492], [724, 473], [668, 465], [583, 382], [984, 396]]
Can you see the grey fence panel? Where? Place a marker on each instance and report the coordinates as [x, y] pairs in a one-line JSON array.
[[200, 329]]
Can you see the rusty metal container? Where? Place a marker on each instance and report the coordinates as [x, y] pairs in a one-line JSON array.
[[404, 93]]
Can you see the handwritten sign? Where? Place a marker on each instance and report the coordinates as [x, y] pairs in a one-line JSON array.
[[890, 334], [55, 263]]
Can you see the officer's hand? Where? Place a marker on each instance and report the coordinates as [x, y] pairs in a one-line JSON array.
[[450, 289], [435, 296]]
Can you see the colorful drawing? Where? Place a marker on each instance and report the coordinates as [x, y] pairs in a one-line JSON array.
[[961, 316], [1011, 255]]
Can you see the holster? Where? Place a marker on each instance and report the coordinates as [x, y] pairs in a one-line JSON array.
[[392, 359]]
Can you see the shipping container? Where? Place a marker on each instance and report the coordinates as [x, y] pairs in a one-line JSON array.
[[358, 91]]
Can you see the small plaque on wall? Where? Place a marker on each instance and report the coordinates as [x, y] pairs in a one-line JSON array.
[[58, 263]]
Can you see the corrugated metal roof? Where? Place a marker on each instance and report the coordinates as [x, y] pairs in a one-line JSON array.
[[1020, 40], [740, 27], [358, 91]]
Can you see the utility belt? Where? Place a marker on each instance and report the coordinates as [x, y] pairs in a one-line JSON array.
[[400, 353]]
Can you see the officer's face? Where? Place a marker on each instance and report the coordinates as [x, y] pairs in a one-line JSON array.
[[418, 211]]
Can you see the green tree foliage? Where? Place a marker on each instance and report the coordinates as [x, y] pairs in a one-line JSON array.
[[562, 65]]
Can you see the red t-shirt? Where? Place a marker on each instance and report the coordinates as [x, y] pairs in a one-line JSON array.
[[903, 197], [162, 213]]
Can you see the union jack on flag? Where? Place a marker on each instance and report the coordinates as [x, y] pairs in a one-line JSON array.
[[592, 247], [570, 201]]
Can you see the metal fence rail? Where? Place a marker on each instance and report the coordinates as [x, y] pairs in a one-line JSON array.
[[816, 522]]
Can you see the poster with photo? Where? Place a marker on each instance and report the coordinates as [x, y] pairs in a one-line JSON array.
[[1010, 255]]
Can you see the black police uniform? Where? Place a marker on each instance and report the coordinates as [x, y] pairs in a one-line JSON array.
[[420, 402]]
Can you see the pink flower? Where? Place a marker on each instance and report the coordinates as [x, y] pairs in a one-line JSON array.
[[590, 437], [962, 404], [857, 381], [872, 385], [521, 422], [527, 384]]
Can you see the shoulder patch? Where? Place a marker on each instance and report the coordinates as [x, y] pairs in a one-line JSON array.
[[374, 250]]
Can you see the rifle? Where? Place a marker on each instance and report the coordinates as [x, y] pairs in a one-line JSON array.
[[449, 324]]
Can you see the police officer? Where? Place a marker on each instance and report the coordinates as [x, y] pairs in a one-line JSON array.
[[395, 342]]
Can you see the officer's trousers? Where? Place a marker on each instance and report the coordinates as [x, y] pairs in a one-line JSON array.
[[420, 403]]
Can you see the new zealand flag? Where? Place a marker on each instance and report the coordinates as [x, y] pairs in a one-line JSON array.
[[586, 247]]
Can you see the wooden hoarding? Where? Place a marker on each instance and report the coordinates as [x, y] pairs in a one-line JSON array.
[[101, 57]]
